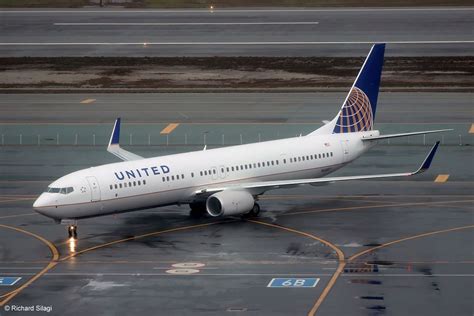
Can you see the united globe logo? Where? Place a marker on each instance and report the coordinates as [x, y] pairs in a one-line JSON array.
[[356, 113]]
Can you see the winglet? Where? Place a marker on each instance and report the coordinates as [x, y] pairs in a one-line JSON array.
[[114, 145], [115, 137], [427, 162]]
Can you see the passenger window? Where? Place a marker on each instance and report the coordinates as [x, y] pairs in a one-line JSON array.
[[134, 183], [284, 160], [246, 167], [182, 176], [232, 168], [172, 178], [120, 185], [125, 185], [276, 161], [139, 183], [227, 169], [144, 182], [192, 174], [254, 165], [303, 158], [167, 178], [319, 156], [116, 187], [111, 187], [129, 184], [164, 179], [222, 170], [214, 171]]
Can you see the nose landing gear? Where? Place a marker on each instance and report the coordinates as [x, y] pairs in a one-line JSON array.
[[72, 231]]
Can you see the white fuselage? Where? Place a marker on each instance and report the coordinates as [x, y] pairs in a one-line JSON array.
[[174, 179]]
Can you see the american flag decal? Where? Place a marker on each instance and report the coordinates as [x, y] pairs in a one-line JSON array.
[[356, 113]]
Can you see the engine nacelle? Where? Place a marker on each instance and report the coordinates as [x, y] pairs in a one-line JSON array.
[[230, 202]]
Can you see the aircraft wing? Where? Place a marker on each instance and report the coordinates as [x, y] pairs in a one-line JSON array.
[[366, 138], [257, 188], [114, 145]]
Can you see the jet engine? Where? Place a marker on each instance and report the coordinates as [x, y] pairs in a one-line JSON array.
[[230, 202]]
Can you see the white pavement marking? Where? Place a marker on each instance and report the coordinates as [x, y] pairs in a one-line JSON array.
[[217, 10], [183, 24], [350, 275], [229, 43], [188, 265]]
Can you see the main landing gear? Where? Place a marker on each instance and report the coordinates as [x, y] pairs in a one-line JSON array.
[[197, 210], [72, 231], [254, 212]]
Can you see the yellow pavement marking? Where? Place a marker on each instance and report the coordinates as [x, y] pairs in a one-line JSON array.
[[357, 255], [337, 273], [160, 232], [52, 263], [87, 101], [168, 129], [471, 130], [441, 178], [364, 207]]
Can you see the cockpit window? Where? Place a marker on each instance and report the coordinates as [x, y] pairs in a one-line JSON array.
[[60, 190]]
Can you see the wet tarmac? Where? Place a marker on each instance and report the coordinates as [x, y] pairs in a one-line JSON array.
[[402, 247]]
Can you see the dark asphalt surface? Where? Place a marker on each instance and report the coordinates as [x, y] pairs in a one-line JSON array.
[[246, 32], [421, 275]]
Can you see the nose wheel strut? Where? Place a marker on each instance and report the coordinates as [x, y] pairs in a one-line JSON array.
[[72, 231]]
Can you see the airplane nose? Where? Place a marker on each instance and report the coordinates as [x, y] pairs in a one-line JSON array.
[[40, 201]]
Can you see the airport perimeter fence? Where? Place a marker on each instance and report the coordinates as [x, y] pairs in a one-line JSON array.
[[212, 139]]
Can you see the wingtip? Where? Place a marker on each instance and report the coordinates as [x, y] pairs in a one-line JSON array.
[[427, 162], [115, 139]]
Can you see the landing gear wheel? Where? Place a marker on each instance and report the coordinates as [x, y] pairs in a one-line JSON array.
[[253, 212], [197, 209], [72, 231]]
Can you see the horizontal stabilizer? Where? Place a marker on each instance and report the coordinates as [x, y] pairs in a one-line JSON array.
[[403, 134], [114, 145]]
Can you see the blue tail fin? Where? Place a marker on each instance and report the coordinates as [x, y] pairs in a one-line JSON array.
[[358, 111]]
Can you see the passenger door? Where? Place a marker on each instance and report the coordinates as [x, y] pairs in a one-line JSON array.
[[95, 189]]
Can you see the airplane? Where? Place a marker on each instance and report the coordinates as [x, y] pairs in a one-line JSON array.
[[228, 181]]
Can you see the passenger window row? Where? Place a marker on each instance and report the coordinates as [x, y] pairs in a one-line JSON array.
[[173, 178], [254, 165], [311, 157], [127, 184]]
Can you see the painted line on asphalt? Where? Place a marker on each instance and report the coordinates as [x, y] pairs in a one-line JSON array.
[[5, 298], [228, 43], [183, 23], [335, 275], [362, 253], [215, 10], [169, 128], [87, 101], [441, 178], [155, 233], [352, 208]]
